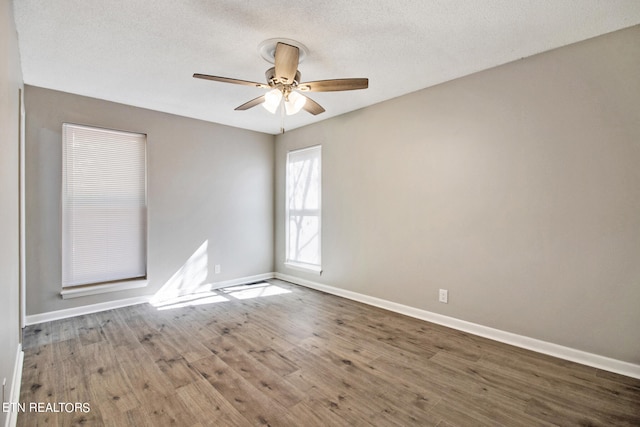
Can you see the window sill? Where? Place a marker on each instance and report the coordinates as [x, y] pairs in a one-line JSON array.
[[101, 289], [313, 269]]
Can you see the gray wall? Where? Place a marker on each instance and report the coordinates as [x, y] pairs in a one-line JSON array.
[[517, 189], [10, 84], [206, 183]]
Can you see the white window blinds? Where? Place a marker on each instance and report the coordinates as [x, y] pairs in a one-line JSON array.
[[104, 207], [303, 208]]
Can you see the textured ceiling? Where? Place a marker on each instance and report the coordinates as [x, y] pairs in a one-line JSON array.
[[144, 52]]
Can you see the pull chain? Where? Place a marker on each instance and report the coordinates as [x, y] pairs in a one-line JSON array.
[[282, 116]]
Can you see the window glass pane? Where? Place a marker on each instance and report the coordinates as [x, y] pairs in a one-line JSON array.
[[305, 184], [304, 239]]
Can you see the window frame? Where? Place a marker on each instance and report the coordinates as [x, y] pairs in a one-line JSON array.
[[296, 264], [70, 290]]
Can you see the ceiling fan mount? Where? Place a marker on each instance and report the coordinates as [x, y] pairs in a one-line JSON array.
[[267, 49], [284, 80]]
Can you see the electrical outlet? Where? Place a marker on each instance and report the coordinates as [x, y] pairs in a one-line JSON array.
[[216, 269], [443, 296]]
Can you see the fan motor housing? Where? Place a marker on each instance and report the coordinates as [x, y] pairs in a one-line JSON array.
[[270, 74]]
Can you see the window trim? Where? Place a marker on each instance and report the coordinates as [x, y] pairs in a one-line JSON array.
[[101, 288], [75, 291], [294, 264], [307, 268]]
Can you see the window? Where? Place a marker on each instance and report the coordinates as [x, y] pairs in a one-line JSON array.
[[104, 206], [303, 209]]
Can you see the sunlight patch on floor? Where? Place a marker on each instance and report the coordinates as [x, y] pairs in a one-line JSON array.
[[255, 290], [214, 296]]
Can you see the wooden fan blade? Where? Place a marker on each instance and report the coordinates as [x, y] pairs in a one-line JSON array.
[[312, 107], [286, 62], [256, 101], [230, 80], [334, 85]]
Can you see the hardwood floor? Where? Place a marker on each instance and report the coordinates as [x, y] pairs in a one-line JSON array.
[[302, 358]]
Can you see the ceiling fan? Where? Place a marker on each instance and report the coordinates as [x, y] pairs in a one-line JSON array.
[[283, 80]]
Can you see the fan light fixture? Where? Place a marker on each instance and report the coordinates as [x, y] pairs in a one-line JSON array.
[[294, 103], [272, 100]]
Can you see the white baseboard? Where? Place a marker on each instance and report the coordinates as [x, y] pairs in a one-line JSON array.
[[103, 306], [14, 395], [84, 309], [567, 353]]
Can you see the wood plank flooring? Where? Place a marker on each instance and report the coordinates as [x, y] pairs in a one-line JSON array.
[[302, 358]]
